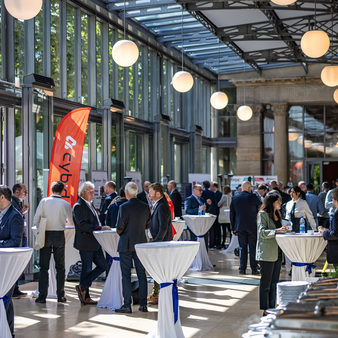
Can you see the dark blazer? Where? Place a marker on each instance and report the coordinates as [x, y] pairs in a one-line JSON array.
[[208, 194], [105, 205], [85, 223], [191, 205], [113, 212], [17, 204], [176, 198], [11, 229], [132, 221], [160, 227], [331, 236], [243, 212], [142, 197]]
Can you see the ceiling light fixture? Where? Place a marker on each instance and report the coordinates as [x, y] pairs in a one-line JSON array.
[[244, 112], [219, 100], [315, 43], [182, 81], [23, 9], [283, 2], [125, 52]]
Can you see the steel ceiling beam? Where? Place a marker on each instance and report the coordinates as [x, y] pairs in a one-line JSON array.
[[208, 24]]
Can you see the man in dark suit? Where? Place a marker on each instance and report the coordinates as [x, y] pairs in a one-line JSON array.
[[176, 198], [216, 226], [110, 190], [11, 230], [160, 227], [143, 196], [243, 213], [86, 221], [132, 221], [212, 208]]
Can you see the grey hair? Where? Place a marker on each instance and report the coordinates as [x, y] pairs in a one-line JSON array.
[[84, 186], [132, 188]]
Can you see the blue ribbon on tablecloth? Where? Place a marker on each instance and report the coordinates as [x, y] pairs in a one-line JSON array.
[[5, 299], [114, 259], [175, 297], [199, 237], [309, 266]]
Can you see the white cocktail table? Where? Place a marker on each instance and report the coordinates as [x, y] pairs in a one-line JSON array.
[[12, 262], [178, 225], [303, 250], [111, 296], [166, 262], [200, 225]]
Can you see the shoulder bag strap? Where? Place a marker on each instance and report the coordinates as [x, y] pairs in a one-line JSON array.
[[43, 208]]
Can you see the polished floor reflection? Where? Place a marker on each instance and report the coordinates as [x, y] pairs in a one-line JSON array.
[[213, 304]]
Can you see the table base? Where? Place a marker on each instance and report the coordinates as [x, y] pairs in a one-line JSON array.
[[111, 297], [201, 261], [299, 273], [165, 327]]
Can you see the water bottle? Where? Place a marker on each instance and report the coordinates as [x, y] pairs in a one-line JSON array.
[[302, 225], [200, 212]]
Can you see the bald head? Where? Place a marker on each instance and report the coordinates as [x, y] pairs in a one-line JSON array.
[[246, 186], [146, 185]]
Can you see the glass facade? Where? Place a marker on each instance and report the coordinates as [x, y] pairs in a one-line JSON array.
[[313, 141]]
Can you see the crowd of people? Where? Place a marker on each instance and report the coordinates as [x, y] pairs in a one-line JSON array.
[[255, 216]]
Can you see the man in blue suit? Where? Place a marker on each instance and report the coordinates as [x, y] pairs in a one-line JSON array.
[[192, 204], [109, 189], [243, 213], [11, 231]]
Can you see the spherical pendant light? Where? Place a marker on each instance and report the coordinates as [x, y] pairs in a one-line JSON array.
[[219, 100], [244, 113], [329, 76], [283, 2], [182, 81], [335, 95], [125, 53], [23, 9], [307, 143], [293, 134], [315, 43]]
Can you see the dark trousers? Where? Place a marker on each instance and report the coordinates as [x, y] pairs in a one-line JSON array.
[[215, 234], [88, 275], [267, 288], [246, 239], [10, 311], [324, 222], [225, 227], [54, 243], [126, 265]]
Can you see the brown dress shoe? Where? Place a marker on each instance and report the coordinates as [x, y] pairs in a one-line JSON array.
[[153, 300], [81, 294], [89, 301]]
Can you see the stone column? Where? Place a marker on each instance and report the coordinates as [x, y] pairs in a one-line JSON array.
[[196, 150], [281, 141], [248, 152]]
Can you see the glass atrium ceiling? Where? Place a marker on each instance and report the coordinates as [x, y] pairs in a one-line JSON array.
[[234, 36]]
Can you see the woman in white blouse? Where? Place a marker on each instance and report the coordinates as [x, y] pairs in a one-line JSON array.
[[298, 207]]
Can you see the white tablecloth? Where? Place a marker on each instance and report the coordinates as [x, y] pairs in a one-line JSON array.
[[179, 227], [166, 262], [200, 225], [301, 248], [111, 296], [12, 263], [232, 246], [71, 257]]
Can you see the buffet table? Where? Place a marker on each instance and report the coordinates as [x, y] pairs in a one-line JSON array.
[[303, 250], [166, 262], [12, 262], [111, 297], [200, 225], [71, 257]]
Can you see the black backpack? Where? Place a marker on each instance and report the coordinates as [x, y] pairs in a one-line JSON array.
[[74, 272]]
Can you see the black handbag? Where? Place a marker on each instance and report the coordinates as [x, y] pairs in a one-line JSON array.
[[74, 272]]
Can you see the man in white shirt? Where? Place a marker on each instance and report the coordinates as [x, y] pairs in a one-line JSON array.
[[58, 212]]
